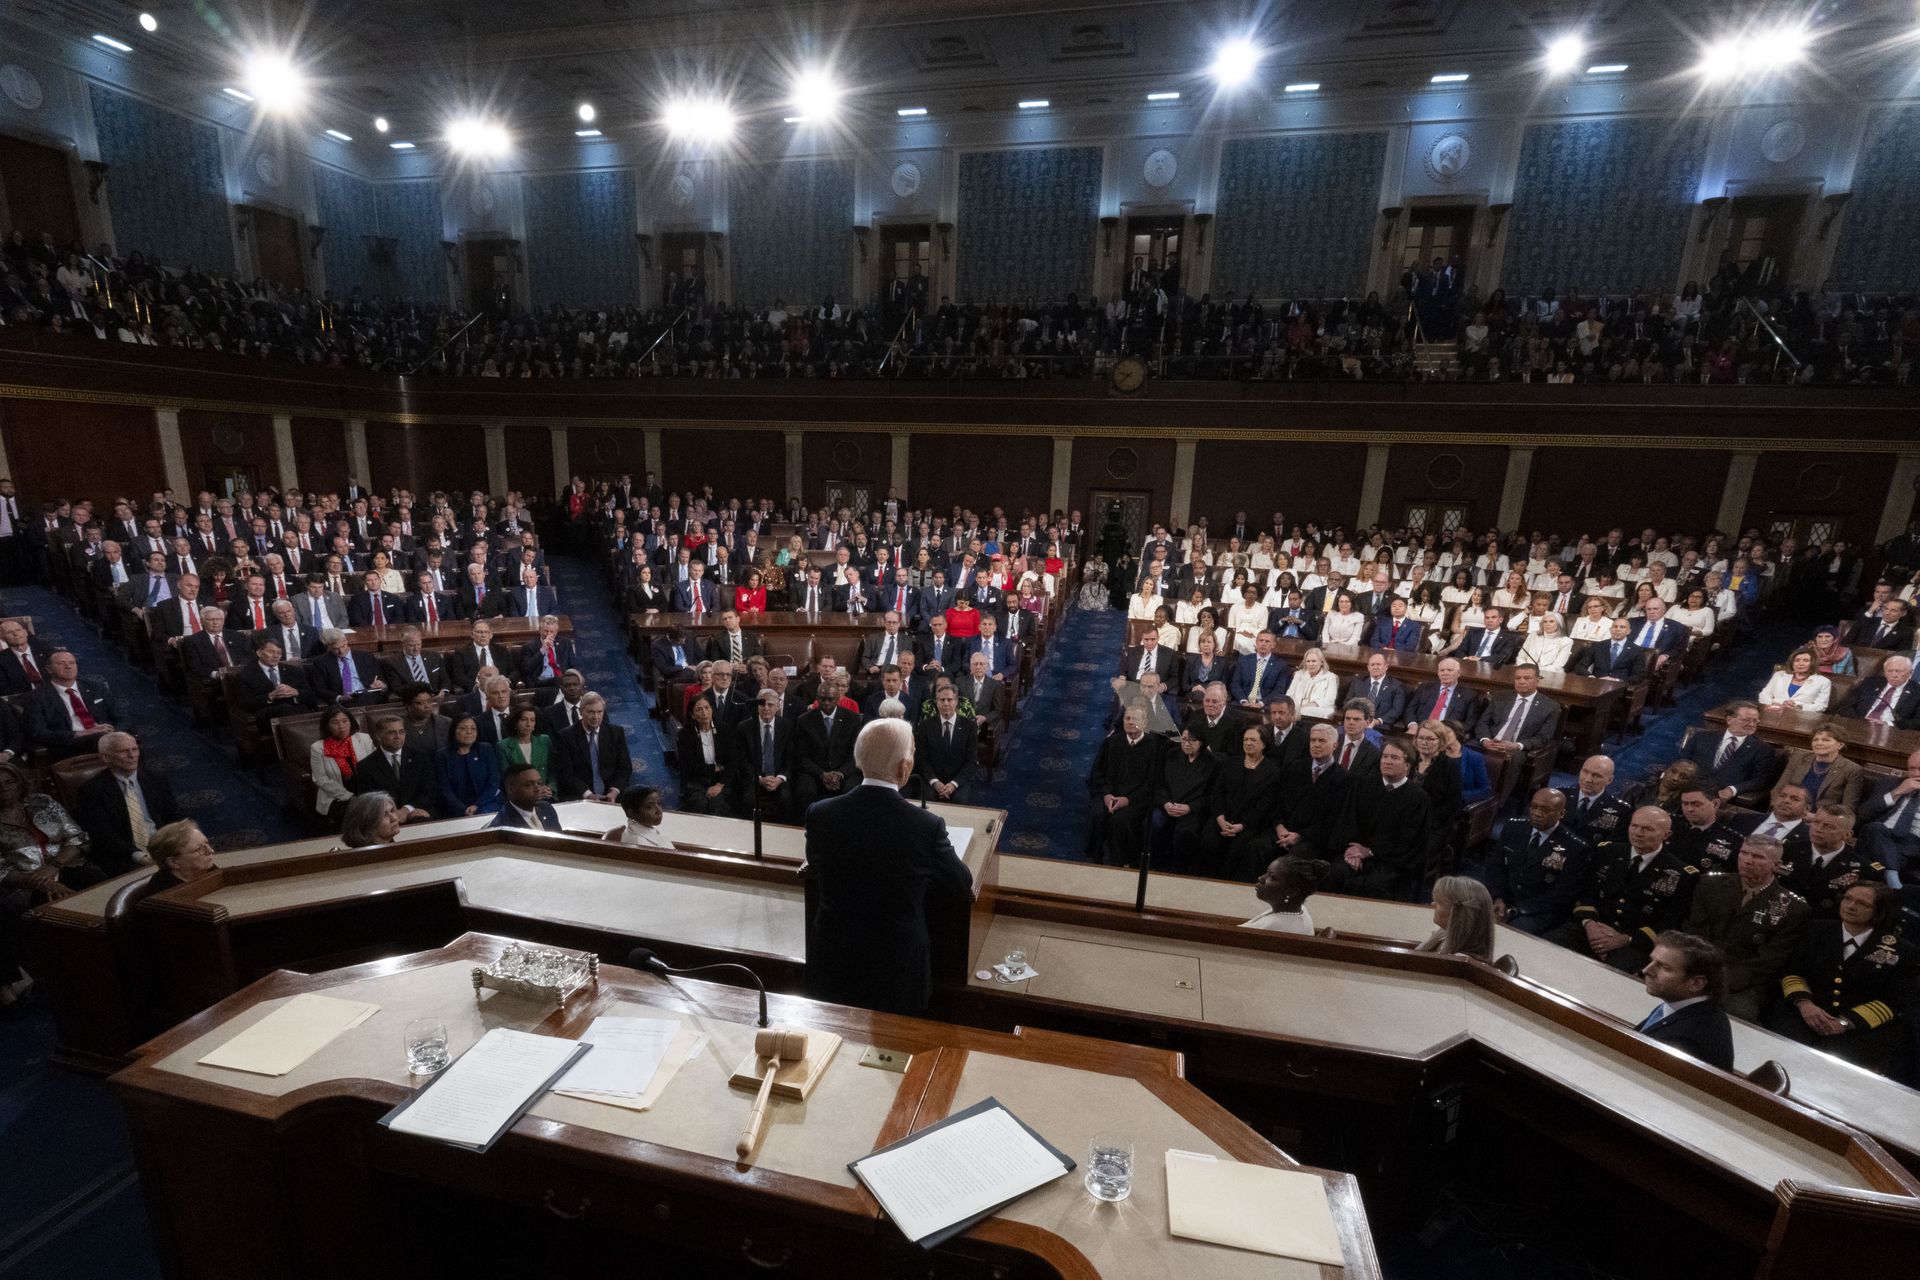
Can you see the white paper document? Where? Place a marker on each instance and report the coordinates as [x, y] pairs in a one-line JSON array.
[[957, 1172], [485, 1088], [960, 838], [626, 1054], [290, 1034], [1250, 1206]]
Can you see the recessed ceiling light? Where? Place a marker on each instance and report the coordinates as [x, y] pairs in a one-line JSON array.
[[794, 119], [401, 146], [478, 137], [1170, 95], [274, 79], [380, 124], [1034, 104], [1304, 86], [911, 111], [149, 23], [339, 136], [1564, 54], [586, 113], [586, 133], [1235, 62], [1449, 77], [1606, 68], [699, 120], [816, 95], [241, 94], [111, 43]]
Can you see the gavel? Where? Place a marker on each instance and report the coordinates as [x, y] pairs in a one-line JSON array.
[[778, 1048]]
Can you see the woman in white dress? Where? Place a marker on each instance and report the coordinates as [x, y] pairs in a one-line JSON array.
[[1315, 690], [1547, 648], [1694, 614], [1142, 603], [1187, 611], [1458, 589], [1233, 585], [1208, 623], [1797, 687], [1262, 557], [1594, 624], [1512, 596], [1465, 616], [1424, 607], [1169, 633], [1345, 625], [1246, 620], [1344, 560]]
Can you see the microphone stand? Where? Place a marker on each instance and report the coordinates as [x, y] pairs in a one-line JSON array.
[[642, 958], [759, 855], [1140, 889]]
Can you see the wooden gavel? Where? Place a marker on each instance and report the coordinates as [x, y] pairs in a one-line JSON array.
[[778, 1048]]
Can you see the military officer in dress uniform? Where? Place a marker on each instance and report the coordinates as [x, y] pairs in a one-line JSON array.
[[1831, 864], [1592, 814], [1755, 920], [1703, 840], [1537, 873], [1633, 892], [1846, 987]]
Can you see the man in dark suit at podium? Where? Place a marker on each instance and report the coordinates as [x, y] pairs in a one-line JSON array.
[[880, 866]]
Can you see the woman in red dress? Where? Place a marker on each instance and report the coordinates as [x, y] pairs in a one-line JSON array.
[[752, 597], [963, 620]]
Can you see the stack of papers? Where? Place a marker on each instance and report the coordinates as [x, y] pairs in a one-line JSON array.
[[474, 1101], [942, 1180], [626, 1054], [290, 1034], [1250, 1206]]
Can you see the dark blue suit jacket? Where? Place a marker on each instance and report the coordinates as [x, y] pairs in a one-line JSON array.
[[683, 596], [1405, 637], [1749, 769], [1668, 637], [1006, 655], [510, 817], [1389, 705], [1240, 685]]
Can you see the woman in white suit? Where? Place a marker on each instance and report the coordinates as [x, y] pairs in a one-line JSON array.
[[1798, 686], [1547, 648], [1315, 690], [332, 759]]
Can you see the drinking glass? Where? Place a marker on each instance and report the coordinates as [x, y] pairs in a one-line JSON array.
[[1014, 964], [1110, 1166], [426, 1046]]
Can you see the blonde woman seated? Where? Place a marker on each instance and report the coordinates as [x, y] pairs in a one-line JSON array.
[[1594, 624], [1346, 624], [1799, 687], [1546, 648], [1315, 690], [1208, 624], [1142, 603], [1532, 611], [1463, 916]]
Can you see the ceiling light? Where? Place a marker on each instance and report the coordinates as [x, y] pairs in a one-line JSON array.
[[1234, 62], [1564, 54], [911, 111], [380, 124], [1755, 52], [149, 23], [1606, 68], [1450, 77], [401, 146], [1034, 104], [586, 113], [708, 120], [339, 136], [111, 43], [1170, 95], [276, 82], [473, 136], [816, 95], [794, 119], [586, 133], [1304, 86], [232, 92]]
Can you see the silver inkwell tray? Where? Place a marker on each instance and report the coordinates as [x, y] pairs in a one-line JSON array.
[[548, 975]]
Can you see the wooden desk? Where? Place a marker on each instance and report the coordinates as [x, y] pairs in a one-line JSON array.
[[298, 1157], [800, 635], [450, 634], [1867, 742]]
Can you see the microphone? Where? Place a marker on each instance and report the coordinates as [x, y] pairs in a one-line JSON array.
[[642, 958]]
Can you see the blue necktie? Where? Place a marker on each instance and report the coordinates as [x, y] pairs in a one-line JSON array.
[[153, 592], [593, 758], [349, 683]]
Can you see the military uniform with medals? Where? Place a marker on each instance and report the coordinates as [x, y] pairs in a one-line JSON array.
[[1709, 848], [1604, 817], [1865, 989], [1759, 933], [1542, 879], [1823, 886], [1638, 903]]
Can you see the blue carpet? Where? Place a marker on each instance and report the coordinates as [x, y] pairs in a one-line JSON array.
[[600, 637]]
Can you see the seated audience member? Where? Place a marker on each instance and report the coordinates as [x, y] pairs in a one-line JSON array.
[[1891, 697], [1490, 642], [1284, 887], [1889, 822], [414, 665], [1149, 694], [181, 854], [373, 605], [1538, 869], [1785, 820], [892, 684], [1614, 657], [1438, 774], [763, 759], [1701, 839], [122, 806], [66, 713], [1003, 655], [43, 850], [1827, 775], [1520, 722], [644, 814], [1462, 918], [1592, 814], [823, 747], [1755, 920], [333, 759], [1845, 990], [342, 676], [1634, 890], [1687, 975], [523, 807], [491, 703], [705, 758], [370, 819], [213, 649], [1358, 751], [1893, 629], [878, 649], [1240, 810], [1798, 686], [404, 774], [1831, 862], [1315, 689], [1120, 787], [1834, 658], [1385, 831], [944, 758], [1219, 729], [1182, 796], [1386, 694], [465, 663], [298, 642], [1444, 697], [1259, 675], [426, 727], [1547, 649], [23, 659], [1734, 762], [1395, 631], [523, 742], [467, 771], [543, 662]]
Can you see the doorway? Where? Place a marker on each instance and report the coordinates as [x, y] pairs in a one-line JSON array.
[[683, 268], [276, 249], [227, 479], [39, 187], [1119, 517], [904, 252], [1153, 248], [1438, 517], [1438, 231], [1763, 233], [854, 495], [489, 271]]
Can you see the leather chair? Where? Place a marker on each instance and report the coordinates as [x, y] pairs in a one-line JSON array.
[[73, 773]]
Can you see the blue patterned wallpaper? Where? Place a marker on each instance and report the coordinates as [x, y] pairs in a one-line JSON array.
[[1880, 235], [580, 245], [166, 186], [789, 231], [410, 212], [1295, 214], [349, 208], [1603, 205], [1027, 223]]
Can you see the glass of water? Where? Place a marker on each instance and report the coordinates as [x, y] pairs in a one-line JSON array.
[[1110, 1166], [426, 1046], [1013, 965]]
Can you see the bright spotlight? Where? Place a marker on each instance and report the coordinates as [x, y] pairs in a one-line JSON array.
[[275, 82], [1234, 62], [1777, 48], [816, 95], [380, 124], [586, 113], [706, 120], [149, 23], [1564, 54], [476, 137], [1753, 53]]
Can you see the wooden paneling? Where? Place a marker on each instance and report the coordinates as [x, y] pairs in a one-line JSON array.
[[738, 464], [320, 450], [1303, 480], [1107, 463], [39, 186], [1470, 474], [980, 472], [1574, 491], [1806, 484], [209, 441], [606, 452], [530, 460], [425, 457], [82, 450]]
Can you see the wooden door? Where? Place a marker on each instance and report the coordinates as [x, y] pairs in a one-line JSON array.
[[1763, 233], [1437, 231], [276, 249], [1438, 517], [489, 273], [683, 258], [854, 495], [905, 251], [39, 185], [1125, 509]]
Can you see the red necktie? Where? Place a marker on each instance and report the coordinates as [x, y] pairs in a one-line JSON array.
[[80, 712], [379, 609], [1440, 704], [26, 664], [193, 617], [553, 663], [433, 611], [259, 617], [1346, 755], [900, 600]]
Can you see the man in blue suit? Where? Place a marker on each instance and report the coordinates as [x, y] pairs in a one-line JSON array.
[[1490, 642], [530, 599], [903, 598], [1003, 655], [881, 866], [1259, 675], [374, 607], [1388, 696], [1618, 658], [1661, 638], [524, 808], [1394, 630]]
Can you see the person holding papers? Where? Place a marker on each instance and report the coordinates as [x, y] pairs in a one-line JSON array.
[[879, 865]]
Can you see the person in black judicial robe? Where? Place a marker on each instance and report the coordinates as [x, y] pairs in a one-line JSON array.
[[1120, 789], [1386, 833], [823, 745], [881, 866], [1244, 796], [1182, 796], [1312, 799]]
